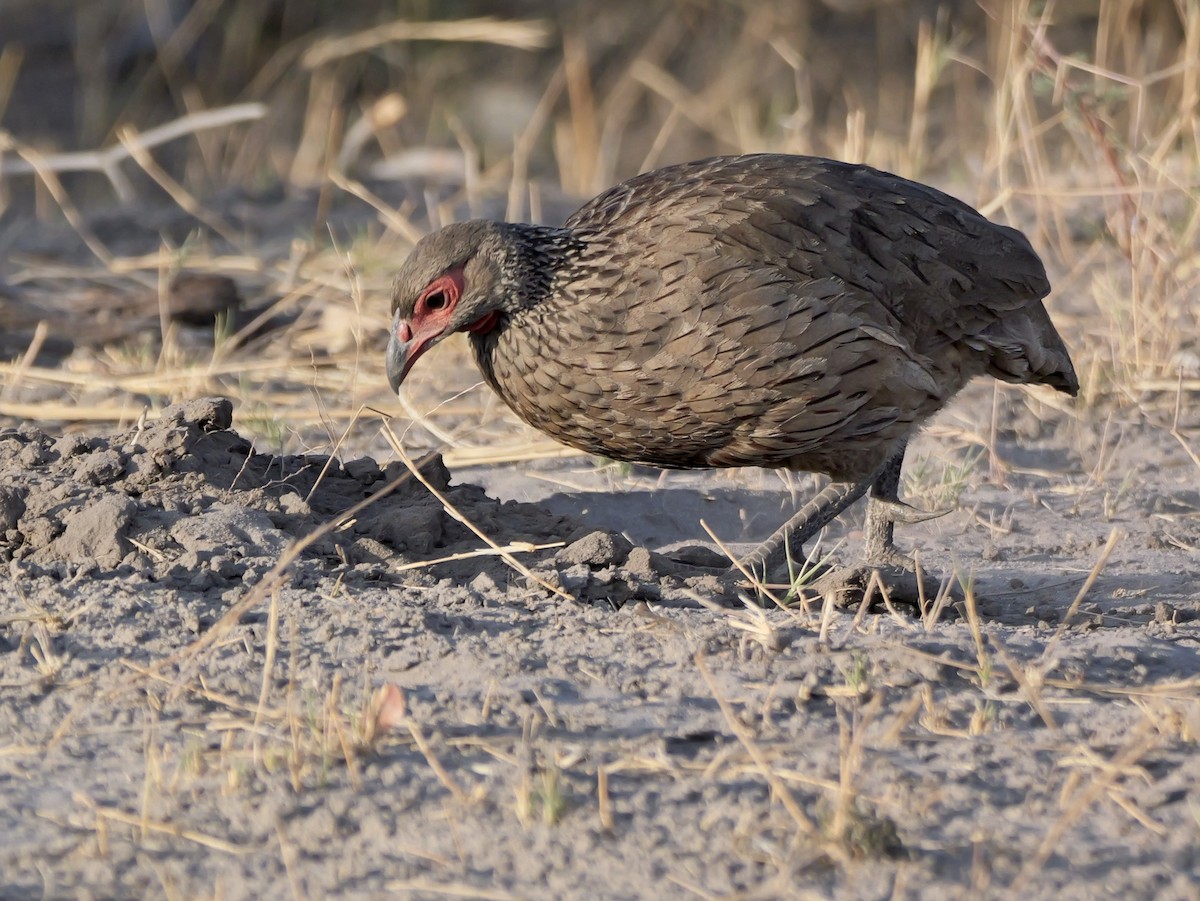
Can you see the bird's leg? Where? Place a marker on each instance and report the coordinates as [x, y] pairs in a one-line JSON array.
[[806, 522], [896, 570], [880, 525], [884, 510]]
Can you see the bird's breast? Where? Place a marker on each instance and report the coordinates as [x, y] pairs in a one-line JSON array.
[[711, 369]]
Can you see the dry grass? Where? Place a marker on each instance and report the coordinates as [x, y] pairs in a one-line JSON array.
[[304, 733], [1094, 151]]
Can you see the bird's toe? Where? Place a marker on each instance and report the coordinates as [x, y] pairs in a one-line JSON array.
[[900, 512]]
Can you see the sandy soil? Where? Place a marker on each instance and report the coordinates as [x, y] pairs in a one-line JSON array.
[[190, 712], [231, 674]]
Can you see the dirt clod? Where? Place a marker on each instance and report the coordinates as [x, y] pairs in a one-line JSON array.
[[597, 550], [93, 534]]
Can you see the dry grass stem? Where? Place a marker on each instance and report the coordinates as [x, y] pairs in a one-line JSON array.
[[450, 890], [450, 508], [761, 589], [431, 758], [138, 151], [1030, 680], [520, 547], [264, 690], [48, 178], [146, 825], [271, 581], [1110, 545], [107, 161], [524, 35], [765, 770], [1137, 746], [290, 857]]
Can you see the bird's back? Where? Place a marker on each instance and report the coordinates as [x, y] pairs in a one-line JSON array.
[[772, 310]]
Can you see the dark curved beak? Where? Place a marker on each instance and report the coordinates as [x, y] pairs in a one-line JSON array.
[[398, 354]]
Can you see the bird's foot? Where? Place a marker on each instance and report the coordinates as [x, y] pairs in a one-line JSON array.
[[887, 557], [900, 512], [897, 579], [885, 574]]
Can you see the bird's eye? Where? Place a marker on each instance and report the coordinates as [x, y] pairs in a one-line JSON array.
[[436, 301]]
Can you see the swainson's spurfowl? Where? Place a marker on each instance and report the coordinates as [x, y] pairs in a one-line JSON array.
[[763, 310]]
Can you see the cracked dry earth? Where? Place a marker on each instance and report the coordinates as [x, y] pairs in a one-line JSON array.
[[186, 711]]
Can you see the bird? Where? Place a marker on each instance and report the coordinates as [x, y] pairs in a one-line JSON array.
[[770, 310]]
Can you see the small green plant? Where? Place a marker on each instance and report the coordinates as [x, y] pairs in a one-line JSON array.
[[860, 833], [857, 673], [540, 797], [939, 487], [620, 468], [804, 573], [270, 428]]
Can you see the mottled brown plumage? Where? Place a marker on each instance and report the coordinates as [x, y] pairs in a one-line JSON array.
[[764, 310]]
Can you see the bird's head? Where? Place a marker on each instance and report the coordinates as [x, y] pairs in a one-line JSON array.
[[452, 281]]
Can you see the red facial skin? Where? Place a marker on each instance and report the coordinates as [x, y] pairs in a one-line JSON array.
[[430, 321], [431, 316]]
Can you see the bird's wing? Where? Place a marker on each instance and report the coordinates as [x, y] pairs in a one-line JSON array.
[[708, 361], [939, 273]]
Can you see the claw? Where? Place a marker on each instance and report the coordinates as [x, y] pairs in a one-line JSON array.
[[898, 511]]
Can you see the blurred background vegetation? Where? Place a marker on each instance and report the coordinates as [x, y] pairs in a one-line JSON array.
[[605, 88], [1076, 120]]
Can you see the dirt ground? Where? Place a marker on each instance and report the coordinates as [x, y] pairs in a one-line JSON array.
[[186, 715], [247, 652]]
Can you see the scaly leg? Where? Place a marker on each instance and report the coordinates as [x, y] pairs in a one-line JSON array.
[[806, 522], [884, 510], [897, 570]]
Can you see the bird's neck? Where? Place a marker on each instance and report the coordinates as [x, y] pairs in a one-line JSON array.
[[542, 262], [541, 271]]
